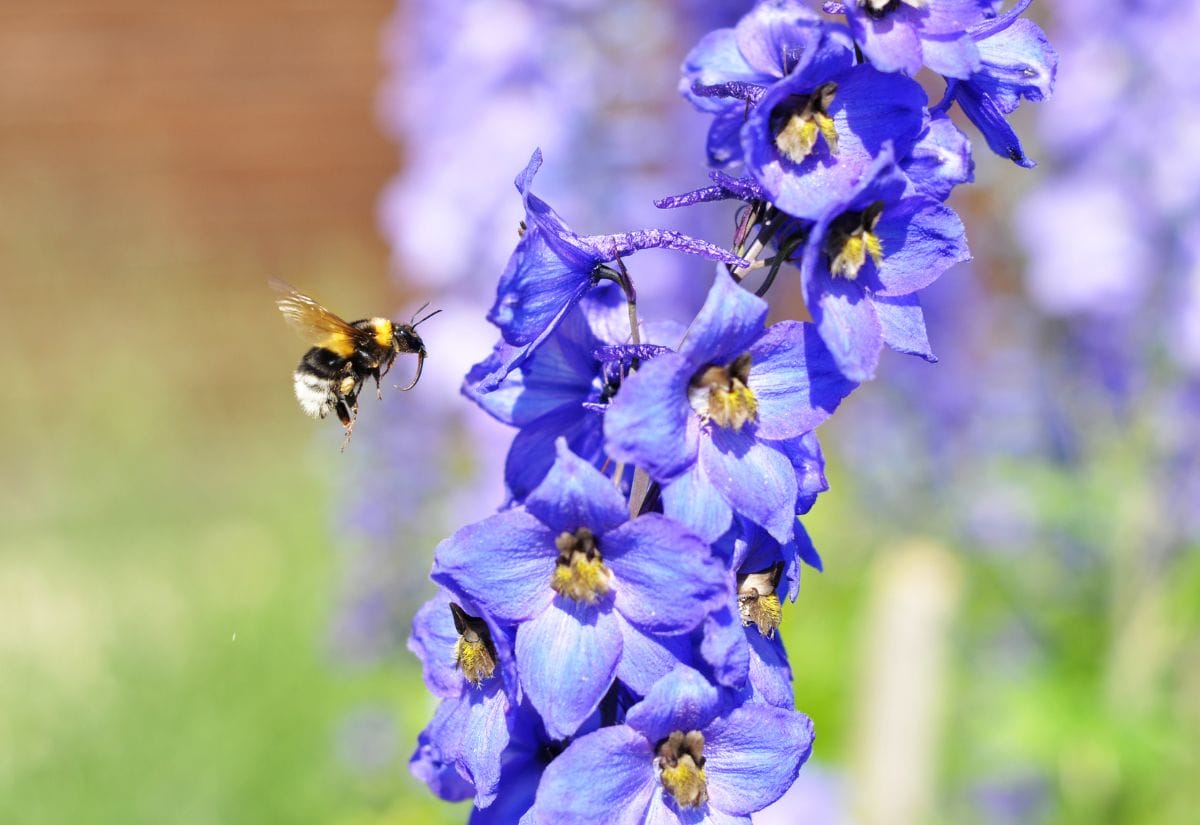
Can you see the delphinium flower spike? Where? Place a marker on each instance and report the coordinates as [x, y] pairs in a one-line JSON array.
[[633, 585]]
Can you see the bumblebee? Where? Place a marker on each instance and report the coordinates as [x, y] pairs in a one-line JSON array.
[[344, 355]]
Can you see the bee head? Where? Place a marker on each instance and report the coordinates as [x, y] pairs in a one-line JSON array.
[[405, 339]]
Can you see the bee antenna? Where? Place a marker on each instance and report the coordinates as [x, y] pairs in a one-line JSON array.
[[426, 318], [417, 377], [412, 322]]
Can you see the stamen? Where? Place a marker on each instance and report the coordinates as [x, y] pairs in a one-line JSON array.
[[800, 119], [474, 653], [681, 763], [580, 573], [722, 394], [851, 239], [758, 603]]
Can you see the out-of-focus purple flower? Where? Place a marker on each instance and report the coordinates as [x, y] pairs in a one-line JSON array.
[[705, 421], [683, 754], [1101, 267], [579, 578]]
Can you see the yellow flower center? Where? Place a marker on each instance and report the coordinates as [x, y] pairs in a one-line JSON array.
[[580, 573], [851, 239], [758, 603], [800, 119], [473, 651], [723, 395], [681, 763]]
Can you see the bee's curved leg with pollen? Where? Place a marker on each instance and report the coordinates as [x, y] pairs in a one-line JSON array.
[[347, 410]]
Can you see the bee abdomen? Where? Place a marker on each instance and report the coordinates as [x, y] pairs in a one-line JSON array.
[[317, 395]]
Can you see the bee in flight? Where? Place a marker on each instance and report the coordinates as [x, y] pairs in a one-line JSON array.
[[344, 355]]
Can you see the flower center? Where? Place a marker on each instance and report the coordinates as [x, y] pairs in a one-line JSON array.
[[800, 119], [757, 602], [681, 761], [851, 239], [879, 9], [723, 395], [474, 653], [580, 573]]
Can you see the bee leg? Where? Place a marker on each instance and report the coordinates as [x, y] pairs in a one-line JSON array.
[[381, 371], [345, 413], [347, 410]]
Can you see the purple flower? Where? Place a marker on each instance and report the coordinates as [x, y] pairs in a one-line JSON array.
[[903, 35], [813, 136], [683, 755], [526, 757], [731, 66], [1017, 61], [865, 259], [589, 589], [707, 421], [1109, 275], [562, 389], [552, 267], [740, 642], [468, 662], [940, 160]]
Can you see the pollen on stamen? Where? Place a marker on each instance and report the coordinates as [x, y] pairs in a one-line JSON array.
[[474, 654], [852, 239], [723, 396], [681, 766], [758, 603], [580, 573], [801, 119]]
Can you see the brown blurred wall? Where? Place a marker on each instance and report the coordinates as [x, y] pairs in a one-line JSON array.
[[251, 119]]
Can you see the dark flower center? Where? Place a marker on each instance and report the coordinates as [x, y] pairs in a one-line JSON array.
[[851, 239], [580, 572], [681, 761], [723, 395], [610, 377], [757, 602], [879, 9], [474, 653], [799, 120]]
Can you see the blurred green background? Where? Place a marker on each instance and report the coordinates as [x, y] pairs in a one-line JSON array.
[[167, 568]]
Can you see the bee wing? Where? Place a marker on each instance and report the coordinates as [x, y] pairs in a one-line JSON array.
[[316, 326]]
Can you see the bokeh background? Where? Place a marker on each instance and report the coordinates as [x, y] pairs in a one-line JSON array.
[[203, 603]]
